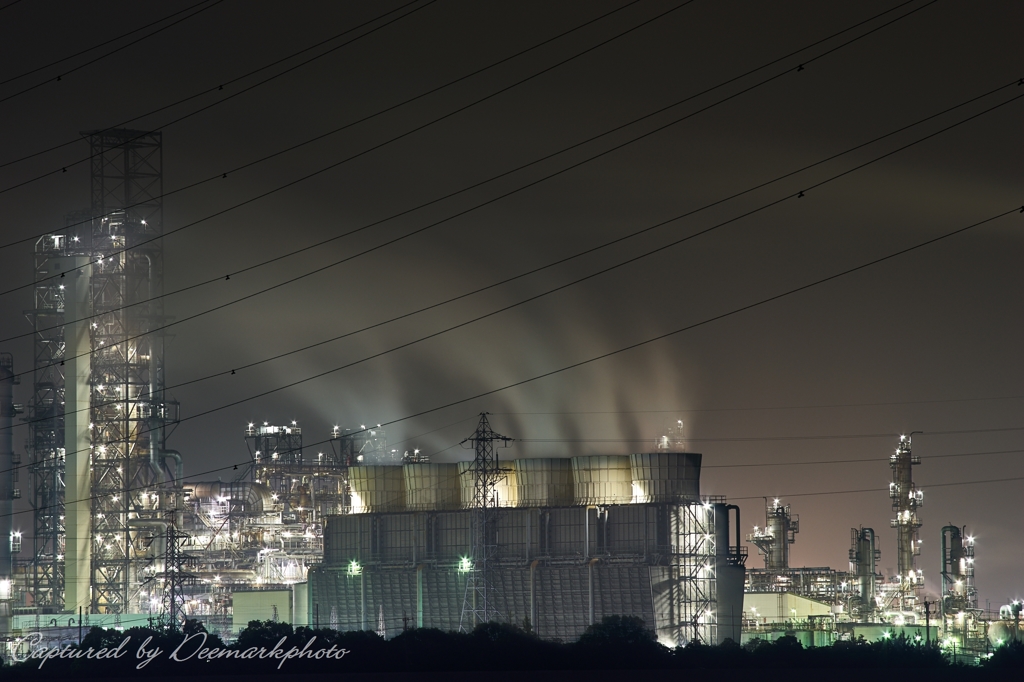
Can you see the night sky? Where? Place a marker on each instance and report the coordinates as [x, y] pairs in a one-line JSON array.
[[929, 341]]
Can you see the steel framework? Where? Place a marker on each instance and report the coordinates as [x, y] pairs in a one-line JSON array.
[[46, 424], [128, 415], [906, 499], [479, 603]]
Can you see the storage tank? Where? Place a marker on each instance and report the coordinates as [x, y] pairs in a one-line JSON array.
[[431, 487], [545, 482], [377, 488], [665, 477], [602, 480], [506, 490]]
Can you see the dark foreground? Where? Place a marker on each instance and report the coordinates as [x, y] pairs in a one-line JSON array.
[[617, 647]]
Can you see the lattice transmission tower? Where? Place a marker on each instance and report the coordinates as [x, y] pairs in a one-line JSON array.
[[481, 599]]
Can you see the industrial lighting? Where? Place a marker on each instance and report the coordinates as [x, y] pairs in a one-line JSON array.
[[465, 565], [354, 568]]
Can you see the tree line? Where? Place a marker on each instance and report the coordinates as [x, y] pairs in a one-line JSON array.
[[617, 643]]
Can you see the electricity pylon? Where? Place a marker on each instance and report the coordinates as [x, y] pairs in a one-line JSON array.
[[480, 602]]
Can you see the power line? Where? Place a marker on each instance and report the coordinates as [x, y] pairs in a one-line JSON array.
[[773, 407], [876, 490], [102, 44], [365, 151], [303, 380], [429, 226], [221, 87], [321, 136], [586, 277], [232, 465], [593, 359], [274, 259], [709, 320], [760, 439], [845, 436], [704, 322], [656, 130], [213, 3], [853, 461]]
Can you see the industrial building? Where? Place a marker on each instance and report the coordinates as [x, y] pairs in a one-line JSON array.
[[822, 605], [573, 540], [360, 536]]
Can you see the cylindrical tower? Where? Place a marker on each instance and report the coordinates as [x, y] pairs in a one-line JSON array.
[[958, 591], [864, 557], [780, 529], [906, 499]]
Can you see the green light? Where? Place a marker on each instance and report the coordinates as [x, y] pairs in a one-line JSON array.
[[465, 565], [354, 568]]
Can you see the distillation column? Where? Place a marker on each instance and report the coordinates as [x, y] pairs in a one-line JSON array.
[[864, 556], [779, 533], [958, 591], [906, 499]]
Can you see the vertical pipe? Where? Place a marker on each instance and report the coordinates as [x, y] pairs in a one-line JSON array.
[[6, 470], [77, 439], [586, 532], [529, 524], [362, 599], [419, 596], [533, 596], [590, 591]]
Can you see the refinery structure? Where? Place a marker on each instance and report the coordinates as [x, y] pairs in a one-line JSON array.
[[360, 536], [822, 605]]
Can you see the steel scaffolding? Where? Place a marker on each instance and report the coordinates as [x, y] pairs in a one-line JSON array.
[[132, 488], [480, 602], [906, 499]]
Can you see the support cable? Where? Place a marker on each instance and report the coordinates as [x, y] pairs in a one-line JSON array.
[[225, 174], [219, 88], [623, 349], [561, 261], [677, 103], [212, 3], [220, 175], [578, 280], [103, 44]]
